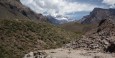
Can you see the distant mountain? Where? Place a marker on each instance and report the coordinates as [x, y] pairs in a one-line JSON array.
[[57, 20], [13, 9], [52, 20], [97, 15]]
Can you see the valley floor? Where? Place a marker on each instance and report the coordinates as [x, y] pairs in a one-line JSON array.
[[70, 53]]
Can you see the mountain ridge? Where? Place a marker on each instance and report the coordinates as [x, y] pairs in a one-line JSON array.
[[97, 15], [58, 20], [13, 9]]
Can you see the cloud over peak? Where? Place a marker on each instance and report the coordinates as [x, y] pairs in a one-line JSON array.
[[57, 7], [110, 2], [70, 8]]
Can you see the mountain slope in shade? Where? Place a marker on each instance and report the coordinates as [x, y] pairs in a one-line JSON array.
[[97, 15], [13, 9], [52, 20]]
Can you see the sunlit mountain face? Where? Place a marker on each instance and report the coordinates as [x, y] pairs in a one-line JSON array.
[[73, 9]]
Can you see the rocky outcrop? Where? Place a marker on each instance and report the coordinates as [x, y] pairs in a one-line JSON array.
[[102, 38], [13, 9], [97, 15]]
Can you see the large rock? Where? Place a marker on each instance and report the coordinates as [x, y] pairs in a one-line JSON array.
[[37, 54]]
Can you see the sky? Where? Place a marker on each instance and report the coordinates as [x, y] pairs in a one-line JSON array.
[[74, 9]]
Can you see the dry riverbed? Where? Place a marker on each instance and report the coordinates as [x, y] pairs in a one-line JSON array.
[[70, 53]]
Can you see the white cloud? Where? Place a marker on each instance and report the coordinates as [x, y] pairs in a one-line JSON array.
[[57, 7], [110, 2]]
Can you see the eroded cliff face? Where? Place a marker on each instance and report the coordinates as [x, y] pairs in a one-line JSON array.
[[13, 9], [99, 14]]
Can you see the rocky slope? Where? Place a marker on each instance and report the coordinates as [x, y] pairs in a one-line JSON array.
[[97, 15], [102, 38], [13, 9]]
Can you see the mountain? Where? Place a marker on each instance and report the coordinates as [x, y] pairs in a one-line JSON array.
[[59, 19], [97, 15], [101, 32], [100, 38], [53, 20], [90, 21], [23, 31], [13, 9]]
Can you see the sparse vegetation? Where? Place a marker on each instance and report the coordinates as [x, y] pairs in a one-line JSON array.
[[78, 28], [21, 36]]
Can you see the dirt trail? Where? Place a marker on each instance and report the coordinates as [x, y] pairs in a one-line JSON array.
[[70, 53]]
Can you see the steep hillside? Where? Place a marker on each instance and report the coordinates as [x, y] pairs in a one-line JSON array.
[[13, 9], [18, 37], [97, 15]]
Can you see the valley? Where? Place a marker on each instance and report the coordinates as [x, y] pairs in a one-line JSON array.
[[25, 33]]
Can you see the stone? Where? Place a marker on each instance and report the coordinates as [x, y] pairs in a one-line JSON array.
[[37, 54]]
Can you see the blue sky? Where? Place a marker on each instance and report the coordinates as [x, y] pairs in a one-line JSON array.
[[75, 9]]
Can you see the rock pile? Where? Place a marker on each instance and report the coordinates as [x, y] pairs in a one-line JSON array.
[[102, 38], [36, 55]]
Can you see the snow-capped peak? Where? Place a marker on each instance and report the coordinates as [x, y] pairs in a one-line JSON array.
[[59, 19]]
